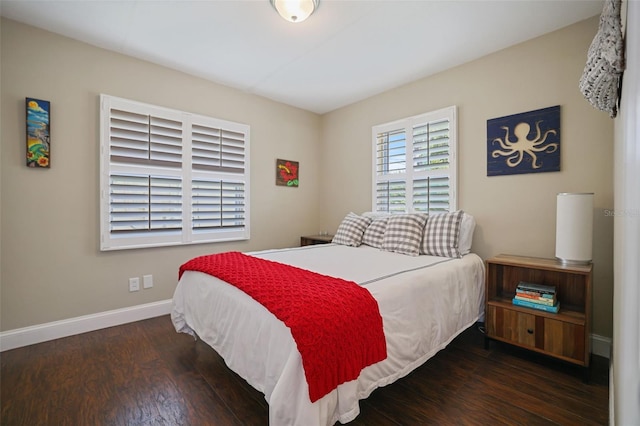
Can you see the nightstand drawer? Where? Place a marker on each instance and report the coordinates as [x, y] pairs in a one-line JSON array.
[[512, 326], [564, 339], [554, 337]]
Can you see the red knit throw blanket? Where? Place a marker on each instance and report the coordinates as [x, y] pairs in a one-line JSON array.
[[335, 323]]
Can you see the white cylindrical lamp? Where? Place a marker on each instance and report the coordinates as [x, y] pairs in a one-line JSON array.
[[574, 228]]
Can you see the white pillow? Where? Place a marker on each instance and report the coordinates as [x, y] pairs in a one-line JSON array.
[[351, 230], [467, 227]]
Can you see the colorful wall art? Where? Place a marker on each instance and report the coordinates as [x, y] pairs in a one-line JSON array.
[[287, 173], [524, 143], [38, 133]]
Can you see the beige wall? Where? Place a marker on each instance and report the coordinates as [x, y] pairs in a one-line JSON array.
[[515, 214], [51, 266]]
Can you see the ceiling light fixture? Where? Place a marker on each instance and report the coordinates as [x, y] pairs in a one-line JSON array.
[[295, 10]]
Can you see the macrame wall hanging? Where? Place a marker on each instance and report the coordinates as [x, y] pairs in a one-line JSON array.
[[605, 61]]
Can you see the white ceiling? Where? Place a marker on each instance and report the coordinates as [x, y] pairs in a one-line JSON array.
[[345, 52]]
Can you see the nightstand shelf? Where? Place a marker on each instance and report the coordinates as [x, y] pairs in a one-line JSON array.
[[570, 314], [564, 335]]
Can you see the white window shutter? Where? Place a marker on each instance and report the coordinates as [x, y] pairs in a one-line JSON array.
[[165, 147], [233, 151], [128, 136], [415, 164], [129, 201], [218, 204], [391, 196], [169, 177], [431, 194]]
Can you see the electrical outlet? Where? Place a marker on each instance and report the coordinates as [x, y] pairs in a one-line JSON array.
[[147, 281], [134, 284]]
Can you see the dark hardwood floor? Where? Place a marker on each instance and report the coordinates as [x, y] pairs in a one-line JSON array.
[[145, 373]]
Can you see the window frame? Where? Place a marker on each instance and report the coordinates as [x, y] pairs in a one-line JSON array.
[[410, 175], [184, 170]]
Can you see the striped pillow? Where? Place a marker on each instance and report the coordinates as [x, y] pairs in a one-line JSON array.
[[374, 234], [404, 233], [351, 230], [441, 235]]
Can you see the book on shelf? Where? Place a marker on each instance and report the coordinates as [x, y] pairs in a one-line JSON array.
[[536, 288], [540, 300], [535, 294], [527, 304]]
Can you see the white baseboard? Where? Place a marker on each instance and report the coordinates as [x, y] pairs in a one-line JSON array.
[[601, 345], [55, 330]]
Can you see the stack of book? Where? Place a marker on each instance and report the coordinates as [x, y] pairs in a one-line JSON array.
[[536, 296]]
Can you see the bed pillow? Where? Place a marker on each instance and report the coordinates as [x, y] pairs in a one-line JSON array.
[[404, 233], [374, 234], [441, 235], [351, 230], [467, 226]]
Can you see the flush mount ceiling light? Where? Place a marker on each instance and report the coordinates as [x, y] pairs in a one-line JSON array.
[[295, 10]]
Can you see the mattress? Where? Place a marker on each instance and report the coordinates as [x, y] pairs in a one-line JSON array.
[[425, 302]]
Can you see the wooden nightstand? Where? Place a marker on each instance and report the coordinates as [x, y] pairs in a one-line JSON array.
[[564, 335], [309, 240]]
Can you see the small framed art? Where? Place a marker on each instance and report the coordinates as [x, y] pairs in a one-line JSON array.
[[287, 173], [38, 121]]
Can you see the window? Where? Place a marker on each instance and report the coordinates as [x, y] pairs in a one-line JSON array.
[[415, 164], [169, 177]]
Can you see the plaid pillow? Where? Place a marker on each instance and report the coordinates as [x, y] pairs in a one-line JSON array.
[[404, 233], [441, 235], [374, 234], [351, 229]]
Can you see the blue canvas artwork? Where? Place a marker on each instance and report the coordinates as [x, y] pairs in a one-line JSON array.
[[528, 142]]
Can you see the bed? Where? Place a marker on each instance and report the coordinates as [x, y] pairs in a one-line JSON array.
[[425, 301]]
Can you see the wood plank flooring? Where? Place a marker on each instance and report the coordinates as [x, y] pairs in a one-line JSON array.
[[144, 373]]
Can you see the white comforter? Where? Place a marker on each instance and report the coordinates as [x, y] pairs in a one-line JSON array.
[[425, 302]]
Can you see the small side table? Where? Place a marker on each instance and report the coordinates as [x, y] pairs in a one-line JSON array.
[[564, 335], [309, 240]]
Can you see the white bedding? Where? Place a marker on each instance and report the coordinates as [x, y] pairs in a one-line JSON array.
[[425, 302]]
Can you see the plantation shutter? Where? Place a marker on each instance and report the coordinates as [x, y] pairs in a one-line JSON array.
[[218, 204], [220, 150], [431, 195], [391, 152], [144, 140], [391, 166], [414, 164], [391, 196], [169, 177], [431, 161], [140, 201], [217, 149], [144, 203]]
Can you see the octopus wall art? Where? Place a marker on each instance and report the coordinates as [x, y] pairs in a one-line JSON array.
[[528, 142]]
